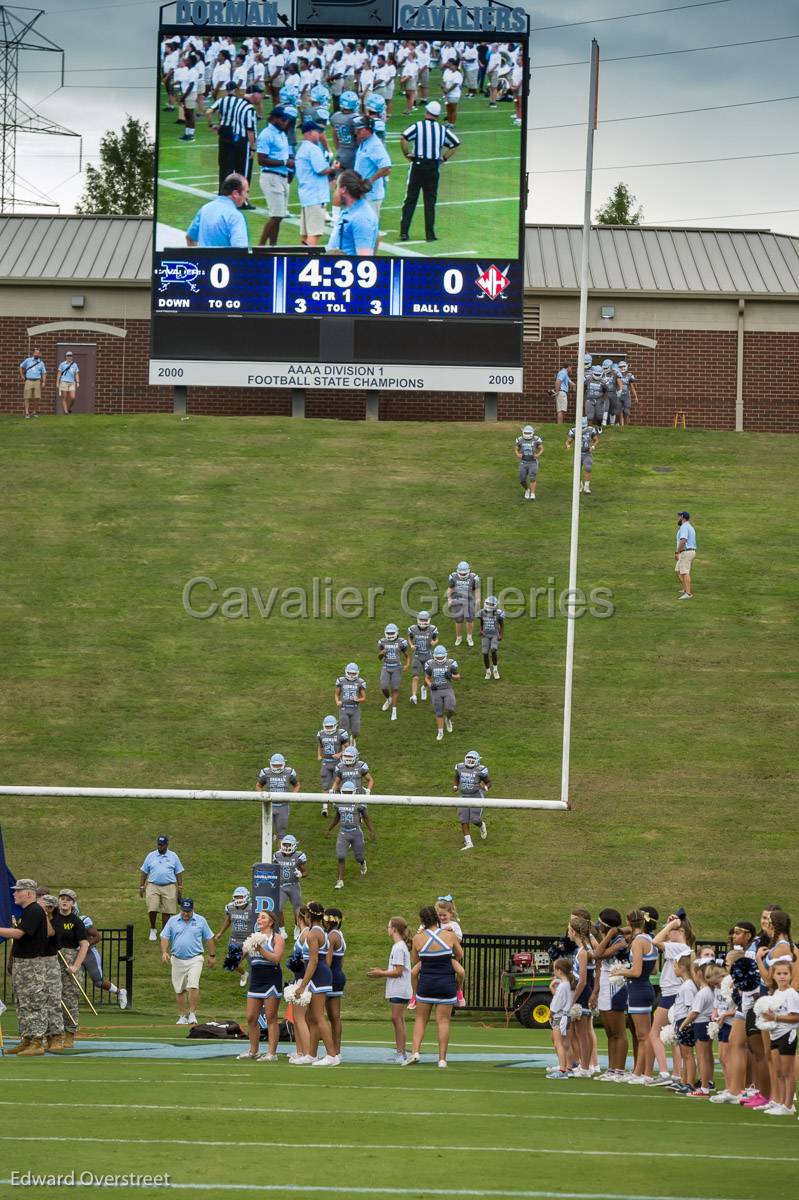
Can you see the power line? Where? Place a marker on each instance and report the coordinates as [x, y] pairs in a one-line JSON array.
[[676, 112], [766, 212], [582, 62], [628, 16], [680, 162]]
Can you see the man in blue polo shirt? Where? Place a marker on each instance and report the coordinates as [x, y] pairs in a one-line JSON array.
[[67, 382], [313, 182], [182, 941], [685, 553], [372, 161], [219, 222], [32, 372], [563, 385], [161, 883], [275, 160]]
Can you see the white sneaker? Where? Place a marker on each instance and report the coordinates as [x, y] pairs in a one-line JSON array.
[[248, 1054], [338, 885], [532, 495], [329, 1060], [267, 1057], [458, 640], [424, 693], [302, 1060], [725, 1097], [517, 120], [393, 714], [611, 1077], [448, 723], [123, 998], [182, 1020], [442, 1062], [191, 1019], [661, 1080], [153, 936], [386, 705], [776, 1110], [410, 1060], [488, 673], [469, 640], [413, 699], [243, 981], [495, 671], [440, 735], [687, 596], [587, 488], [582, 485], [527, 495], [468, 845], [483, 830], [364, 868]]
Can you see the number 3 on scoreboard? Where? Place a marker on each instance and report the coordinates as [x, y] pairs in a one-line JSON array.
[[375, 307], [300, 305]]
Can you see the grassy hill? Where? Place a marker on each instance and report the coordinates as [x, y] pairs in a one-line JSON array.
[[684, 712]]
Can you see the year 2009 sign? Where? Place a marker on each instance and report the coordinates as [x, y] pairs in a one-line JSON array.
[[263, 284]]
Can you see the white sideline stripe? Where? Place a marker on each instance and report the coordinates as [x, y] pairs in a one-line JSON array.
[[363, 1112], [452, 203], [328, 1189], [406, 1147]]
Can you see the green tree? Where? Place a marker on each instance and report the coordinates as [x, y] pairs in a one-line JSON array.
[[619, 208], [123, 182]]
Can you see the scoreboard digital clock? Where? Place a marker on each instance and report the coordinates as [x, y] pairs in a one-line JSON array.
[[260, 283]]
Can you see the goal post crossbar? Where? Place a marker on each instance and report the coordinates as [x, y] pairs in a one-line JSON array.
[[269, 797]]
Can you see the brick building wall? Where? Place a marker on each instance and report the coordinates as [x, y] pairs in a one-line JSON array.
[[689, 369]]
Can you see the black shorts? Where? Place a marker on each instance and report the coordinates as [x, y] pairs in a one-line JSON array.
[[785, 1045], [751, 1026]]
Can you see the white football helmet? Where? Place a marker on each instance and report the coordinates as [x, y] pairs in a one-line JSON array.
[[528, 432], [348, 788], [607, 363], [277, 762], [471, 758], [241, 897], [463, 569], [352, 670], [623, 366], [490, 603], [329, 724], [596, 372], [350, 756], [423, 619], [289, 844], [588, 360], [391, 632], [440, 653]]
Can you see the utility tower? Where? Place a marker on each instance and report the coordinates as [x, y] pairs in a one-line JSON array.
[[17, 34]]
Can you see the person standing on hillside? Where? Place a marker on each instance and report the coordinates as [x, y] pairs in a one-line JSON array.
[[161, 883], [67, 382], [32, 372], [563, 385], [182, 944], [685, 553], [29, 936]]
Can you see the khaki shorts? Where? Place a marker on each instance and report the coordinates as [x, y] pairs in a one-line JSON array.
[[561, 401], [32, 390], [683, 563], [161, 897], [186, 972], [190, 101], [66, 389], [276, 193], [312, 221]]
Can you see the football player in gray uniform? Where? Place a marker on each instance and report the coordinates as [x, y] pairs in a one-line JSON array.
[[492, 631], [471, 781], [352, 769], [439, 673], [350, 695], [463, 598], [589, 439], [529, 448], [392, 650], [627, 392], [423, 636], [238, 918], [595, 391], [293, 866], [351, 813], [278, 777], [330, 742]]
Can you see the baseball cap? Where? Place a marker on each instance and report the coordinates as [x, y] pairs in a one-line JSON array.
[[361, 123], [24, 885], [290, 111], [434, 108], [69, 354], [49, 900], [186, 904], [68, 892], [687, 515], [163, 838], [309, 124]]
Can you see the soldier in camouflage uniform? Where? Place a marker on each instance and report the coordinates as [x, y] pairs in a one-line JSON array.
[[73, 946], [29, 935], [55, 1013]]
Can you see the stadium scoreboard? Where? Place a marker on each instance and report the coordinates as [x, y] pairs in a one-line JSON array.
[[302, 316]]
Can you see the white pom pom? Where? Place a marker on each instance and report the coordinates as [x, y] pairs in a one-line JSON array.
[[618, 968], [712, 1030], [726, 987], [667, 1035], [254, 940], [575, 1012], [303, 999], [762, 1004], [289, 992]]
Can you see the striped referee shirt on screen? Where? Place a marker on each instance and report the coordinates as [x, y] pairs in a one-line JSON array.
[[236, 116], [428, 138]]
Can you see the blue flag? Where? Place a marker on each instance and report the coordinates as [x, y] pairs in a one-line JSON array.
[[8, 908]]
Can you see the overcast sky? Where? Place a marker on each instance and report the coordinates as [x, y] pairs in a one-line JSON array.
[[110, 49]]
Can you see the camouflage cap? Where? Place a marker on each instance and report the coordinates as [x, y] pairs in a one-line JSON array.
[[50, 901], [24, 885], [68, 892]]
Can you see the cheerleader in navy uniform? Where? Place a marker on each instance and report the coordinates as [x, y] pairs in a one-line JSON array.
[[644, 960], [266, 985], [318, 980], [334, 918], [436, 955], [296, 964]]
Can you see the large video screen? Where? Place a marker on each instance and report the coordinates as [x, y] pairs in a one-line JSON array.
[[338, 177]]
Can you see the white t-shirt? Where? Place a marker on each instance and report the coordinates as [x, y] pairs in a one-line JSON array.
[[385, 75], [221, 73], [785, 1001], [452, 82], [367, 80], [684, 1002], [410, 70], [398, 987], [455, 928], [669, 983], [703, 1005], [722, 1005]]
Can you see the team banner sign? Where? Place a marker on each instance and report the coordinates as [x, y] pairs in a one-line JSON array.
[[265, 889]]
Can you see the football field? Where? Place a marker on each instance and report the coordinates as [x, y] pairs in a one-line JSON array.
[[477, 213], [491, 1125]]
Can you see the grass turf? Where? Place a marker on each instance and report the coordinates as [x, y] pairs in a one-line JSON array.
[[684, 712], [217, 1127], [477, 213]]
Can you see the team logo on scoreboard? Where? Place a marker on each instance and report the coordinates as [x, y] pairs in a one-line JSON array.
[[175, 271], [492, 282]]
